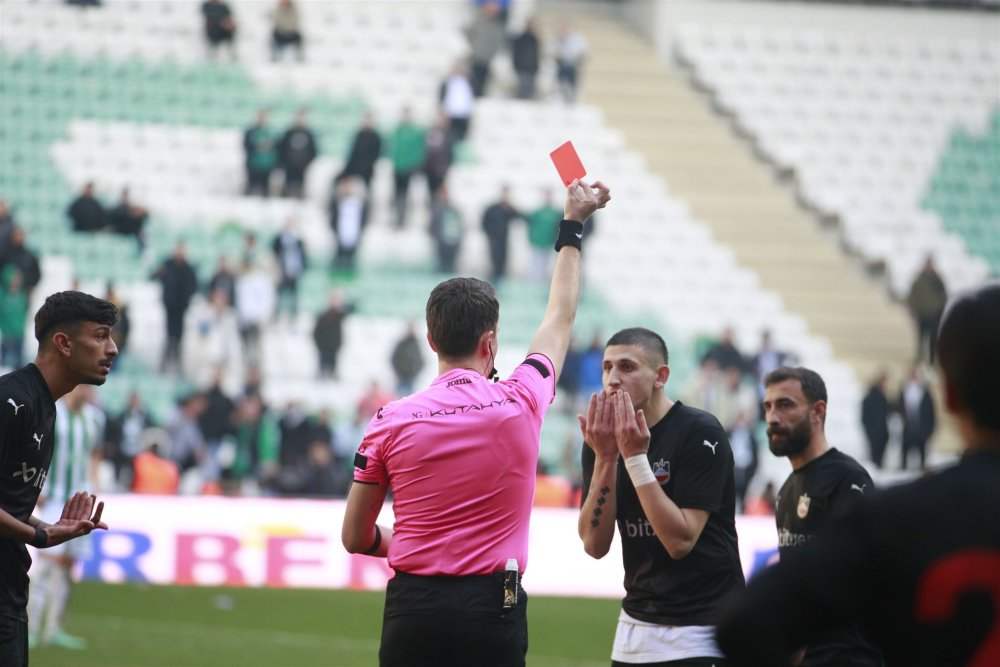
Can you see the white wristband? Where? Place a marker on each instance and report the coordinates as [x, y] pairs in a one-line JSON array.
[[639, 470]]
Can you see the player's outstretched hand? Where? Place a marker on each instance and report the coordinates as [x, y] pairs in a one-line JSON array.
[[598, 427], [79, 517], [582, 200]]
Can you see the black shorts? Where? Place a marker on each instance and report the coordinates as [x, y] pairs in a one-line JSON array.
[[452, 621], [13, 642]]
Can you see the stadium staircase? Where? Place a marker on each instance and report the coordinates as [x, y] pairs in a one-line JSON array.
[[704, 164]]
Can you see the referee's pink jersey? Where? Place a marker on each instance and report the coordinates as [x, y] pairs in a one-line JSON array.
[[460, 459]]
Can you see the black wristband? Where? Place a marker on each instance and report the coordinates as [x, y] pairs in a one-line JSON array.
[[41, 538], [376, 544], [570, 233]]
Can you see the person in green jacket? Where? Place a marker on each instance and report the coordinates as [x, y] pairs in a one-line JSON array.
[[408, 153], [543, 226], [13, 313]]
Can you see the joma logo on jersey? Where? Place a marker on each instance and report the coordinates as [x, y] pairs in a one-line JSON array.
[[661, 471], [28, 474], [458, 382]]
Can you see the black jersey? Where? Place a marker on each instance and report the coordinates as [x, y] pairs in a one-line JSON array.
[[27, 424], [826, 487], [691, 459], [918, 566]]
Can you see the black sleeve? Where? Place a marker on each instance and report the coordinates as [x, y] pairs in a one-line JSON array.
[[15, 420], [850, 491], [704, 465]]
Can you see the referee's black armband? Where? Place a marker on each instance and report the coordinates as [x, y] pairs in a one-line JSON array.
[[41, 539], [570, 233]]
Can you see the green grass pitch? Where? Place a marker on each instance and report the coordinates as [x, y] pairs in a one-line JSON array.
[[167, 626]]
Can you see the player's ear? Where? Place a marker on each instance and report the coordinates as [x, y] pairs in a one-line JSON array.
[[662, 375], [62, 342], [819, 409], [431, 342]]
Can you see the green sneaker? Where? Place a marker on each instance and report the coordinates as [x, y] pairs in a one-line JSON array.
[[63, 640]]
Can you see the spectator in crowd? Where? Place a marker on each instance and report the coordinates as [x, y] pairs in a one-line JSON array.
[[569, 386], [916, 405], [724, 352], [457, 102], [6, 225], [705, 386], [296, 151], [372, 400], [348, 215], [875, 410], [290, 253], [220, 27], [179, 283], [439, 154], [251, 251], [79, 434], [257, 440], [543, 226], [260, 146], [322, 476], [824, 485], [286, 30], [328, 333], [766, 360], [525, 56], [365, 151], [926, 301], [486, 38], [187, 444], [571, 51], [123, 438], [216, 423], [589, 370], [224, 280], [447, 230], [211, 341], [916, 565], [407, 360], [735, 398], [129, 219], [296, 431], [13, 315], [763, 504], [496, 224], [745, 457], [154, 473], [408, 151], [123, 327], [19, 257], [86, 213], [255, 299]]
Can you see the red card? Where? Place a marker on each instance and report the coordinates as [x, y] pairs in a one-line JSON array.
[[567, 163]]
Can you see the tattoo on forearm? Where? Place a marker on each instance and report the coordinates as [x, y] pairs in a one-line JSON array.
[[595, 522]]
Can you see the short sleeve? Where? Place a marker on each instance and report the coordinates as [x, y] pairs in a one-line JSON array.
[[850, 491], [706, 462], [369, 461], [535, 380], [15, 420]]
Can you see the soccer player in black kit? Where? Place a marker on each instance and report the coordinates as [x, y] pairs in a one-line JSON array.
[[824, 483], [917, 566], [663, 472], [74, 347]]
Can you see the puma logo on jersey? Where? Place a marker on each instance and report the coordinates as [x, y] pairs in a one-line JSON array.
[[38, 440], [859, 489], [15, 405], [711, 445]]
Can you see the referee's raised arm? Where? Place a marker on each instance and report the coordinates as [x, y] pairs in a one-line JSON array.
[[552, 337]]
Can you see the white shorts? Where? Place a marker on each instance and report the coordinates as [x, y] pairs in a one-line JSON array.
[[77, 548], [640, 642]]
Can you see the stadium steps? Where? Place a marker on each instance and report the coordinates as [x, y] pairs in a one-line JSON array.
[[703, 163]]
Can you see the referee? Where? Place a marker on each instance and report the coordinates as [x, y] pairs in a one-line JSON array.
[[74, 347], [459, 458], [825, 483], [916, 566]]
